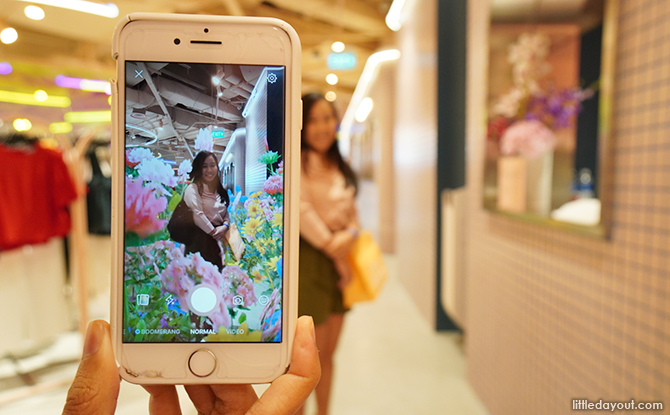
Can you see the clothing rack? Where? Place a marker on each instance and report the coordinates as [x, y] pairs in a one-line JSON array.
[[74, 156]]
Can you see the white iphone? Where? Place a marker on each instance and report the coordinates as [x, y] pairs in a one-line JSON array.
[[205, 198]]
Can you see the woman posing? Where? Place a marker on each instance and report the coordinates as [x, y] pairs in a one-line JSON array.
[[208, 201], [328, 228]]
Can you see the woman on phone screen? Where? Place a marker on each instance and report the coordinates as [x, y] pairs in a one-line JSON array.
[[328, 228], [208, 201]]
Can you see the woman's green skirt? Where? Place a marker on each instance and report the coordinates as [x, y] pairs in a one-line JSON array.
[[319, 295]]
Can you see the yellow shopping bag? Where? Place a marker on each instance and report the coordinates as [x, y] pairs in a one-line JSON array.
[[369, 270]]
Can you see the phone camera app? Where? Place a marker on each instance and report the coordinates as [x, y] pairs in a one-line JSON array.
[[204, 192]]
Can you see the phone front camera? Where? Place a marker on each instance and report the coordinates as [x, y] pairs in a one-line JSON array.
[[206, 30], [177, 41]]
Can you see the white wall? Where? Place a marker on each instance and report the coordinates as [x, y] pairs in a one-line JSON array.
[[415, 155]]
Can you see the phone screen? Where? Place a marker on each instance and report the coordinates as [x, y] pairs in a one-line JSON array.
[[204, 202]]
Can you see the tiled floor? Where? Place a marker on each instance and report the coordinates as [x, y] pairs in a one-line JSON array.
[[389, 362]]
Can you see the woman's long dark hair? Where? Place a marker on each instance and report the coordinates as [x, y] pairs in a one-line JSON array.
[[196, 175], [333, 153]]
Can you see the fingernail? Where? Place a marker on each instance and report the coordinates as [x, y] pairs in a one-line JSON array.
[[93, 340], [311, 323]]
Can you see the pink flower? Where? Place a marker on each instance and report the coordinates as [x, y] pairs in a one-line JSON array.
[[142, 209], [135, 156], [176, 280], [240, 285], [271, 316], [273, 185], [528, 139], [280, 168], [220, 317]]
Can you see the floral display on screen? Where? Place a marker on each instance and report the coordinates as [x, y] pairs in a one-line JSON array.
[[529, 109], [157, 268]]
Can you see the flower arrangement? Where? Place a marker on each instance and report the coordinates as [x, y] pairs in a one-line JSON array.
[[523, 120], [204, 140], [158, 268]]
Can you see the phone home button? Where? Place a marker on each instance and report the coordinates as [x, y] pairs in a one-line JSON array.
[[202, 363]]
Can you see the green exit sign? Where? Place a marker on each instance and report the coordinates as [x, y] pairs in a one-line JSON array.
[[341, 61], [218, 134]]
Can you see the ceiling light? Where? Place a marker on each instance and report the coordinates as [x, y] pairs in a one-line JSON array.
[[216, 80], [337, 47], [332, 79], [22, 124], [34, 12], [60, 127], [29, 99], [40, 95], [91, 85], [393, 16], [369, 73], [8, 35], [363, 109], [5, 68], [105, 10], [331, 96], [88, 116]]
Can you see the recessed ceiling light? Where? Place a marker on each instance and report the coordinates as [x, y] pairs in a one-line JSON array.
[[337, 47], [331, 96], [332, 79], [22, 124], [41, 95], [8, 35], [34, 12]]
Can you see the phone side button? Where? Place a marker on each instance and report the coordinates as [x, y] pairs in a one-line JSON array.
[[202, 363]]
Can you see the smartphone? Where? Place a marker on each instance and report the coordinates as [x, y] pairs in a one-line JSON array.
[[206, 292]]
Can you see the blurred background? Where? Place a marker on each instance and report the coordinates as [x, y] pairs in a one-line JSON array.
[[528, 262]]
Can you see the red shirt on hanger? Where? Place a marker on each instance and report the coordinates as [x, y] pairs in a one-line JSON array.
[[36, 190]]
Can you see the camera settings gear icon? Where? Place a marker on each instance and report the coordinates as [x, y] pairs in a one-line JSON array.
[[272, 78]]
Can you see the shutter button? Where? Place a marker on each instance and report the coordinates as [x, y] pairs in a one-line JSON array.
[[202, 363]]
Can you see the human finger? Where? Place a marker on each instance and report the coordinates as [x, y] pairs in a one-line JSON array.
[[222, 399], [95, 388], [163, 400], [290, 391]]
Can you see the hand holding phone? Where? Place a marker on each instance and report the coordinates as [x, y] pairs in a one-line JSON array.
[[205, 132], [96, 384]]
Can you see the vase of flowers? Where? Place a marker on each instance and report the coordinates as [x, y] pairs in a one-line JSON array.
[[522, 128]]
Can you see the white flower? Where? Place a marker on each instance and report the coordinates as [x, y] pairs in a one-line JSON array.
[[528, 58], [139, 154], [508, 104], [185, 168], [154, 170], [204, 141]]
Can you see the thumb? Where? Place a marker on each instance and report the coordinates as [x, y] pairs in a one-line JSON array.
[[95, 388]]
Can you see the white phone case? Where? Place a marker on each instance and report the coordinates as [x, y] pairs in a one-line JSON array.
[[149, 37]]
